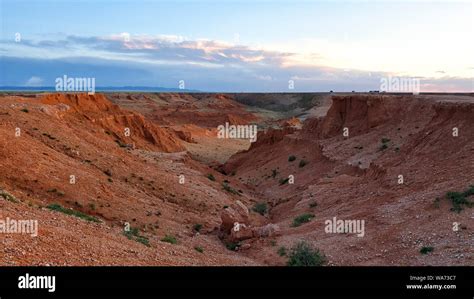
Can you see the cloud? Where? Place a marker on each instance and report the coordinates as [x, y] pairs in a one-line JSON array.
[[207, 65], [168, 48], [34, 81]]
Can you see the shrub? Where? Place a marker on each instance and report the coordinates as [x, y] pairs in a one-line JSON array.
[[281, 251], [229, 189], [24, 110], [302, 163], [56, 191], [8, 196], [274, 173], [108, 172], [291, 158], [197, 227], [199, 249], [232, 246], [313, 204], [134, 234], [304, 255], [211, 177], [426, 249], [59, 208], [384, 145], [304, 218], [169, 239], [260, 208], [458, 199], [284, 181]]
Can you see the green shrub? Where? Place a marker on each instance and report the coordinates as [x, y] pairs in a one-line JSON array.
[[458, 199], [304, 218], [281, 251], [426, 249], [59, 208], [304, 255], [197, 227], [211, 177], [8, 196], [302, 163], [169, 239], [199, 249], [384, 145], [229, 189], [232, 245], [134, 234], [260, 208], [291, 158]]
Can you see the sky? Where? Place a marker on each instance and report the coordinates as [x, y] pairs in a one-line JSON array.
[[239, 46]]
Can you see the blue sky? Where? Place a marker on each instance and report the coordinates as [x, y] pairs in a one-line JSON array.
[[239, 45]]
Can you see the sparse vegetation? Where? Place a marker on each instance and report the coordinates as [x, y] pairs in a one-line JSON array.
[[458, 199], [260, 208], [384, 145], [232, 245], [291, 158], [169, 239], [229, 189], [197, 227], [134, 234], [120, 143], [8, 196], [304, 218], [49, 136], [302, 163], [304, 255], [426, 249], [274, 173], [59, 208], [281, 251], [211, 177], [56, 191]]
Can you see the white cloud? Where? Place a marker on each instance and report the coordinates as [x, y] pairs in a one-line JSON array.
[[34, 81]]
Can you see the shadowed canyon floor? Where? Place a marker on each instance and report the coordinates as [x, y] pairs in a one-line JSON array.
[[142, 179]]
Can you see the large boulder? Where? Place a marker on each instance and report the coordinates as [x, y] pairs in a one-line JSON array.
[[240, 232], [237, 212]]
